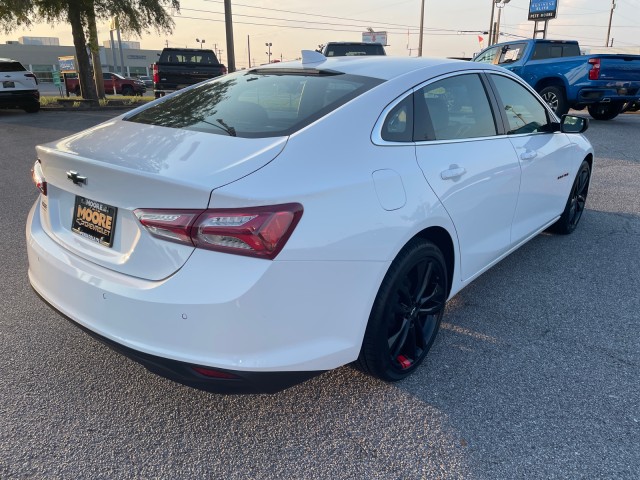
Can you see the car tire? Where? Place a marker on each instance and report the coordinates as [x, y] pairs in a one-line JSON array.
[[32, 108], [556, 99], [77, 90], [605, 111], [631, 106], [406, 313], [572, 213], [127, 91], [157, 94]]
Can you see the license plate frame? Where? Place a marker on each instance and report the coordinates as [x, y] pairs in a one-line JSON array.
[[95, 221]]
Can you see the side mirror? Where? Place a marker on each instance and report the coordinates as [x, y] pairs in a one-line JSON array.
[[573, 124]]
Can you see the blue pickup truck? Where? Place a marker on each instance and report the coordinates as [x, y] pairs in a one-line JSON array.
[[604, 84]]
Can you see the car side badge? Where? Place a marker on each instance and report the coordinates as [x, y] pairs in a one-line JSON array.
[[312, 57]]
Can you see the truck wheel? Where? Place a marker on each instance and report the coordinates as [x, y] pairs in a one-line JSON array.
[[556, 99], [632, 106], [605, 111], [32, 108], [157, 94], [127, 90]]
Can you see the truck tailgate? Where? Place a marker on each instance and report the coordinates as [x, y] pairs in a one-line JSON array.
[[620, 68], [174, 76]]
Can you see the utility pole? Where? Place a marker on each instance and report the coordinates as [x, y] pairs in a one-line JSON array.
[[228, 21], [613, 7], [496, 34], [421, 29], [249, 50], [493, 10]]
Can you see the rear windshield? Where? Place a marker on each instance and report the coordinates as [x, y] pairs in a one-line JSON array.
[[555, 50], [11, 67], [348, 50], [179, 57], [258, 103]]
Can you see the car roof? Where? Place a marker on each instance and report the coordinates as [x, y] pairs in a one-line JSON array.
[[384, 67]]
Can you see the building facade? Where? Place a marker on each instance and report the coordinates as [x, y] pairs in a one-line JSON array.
[[42, 57]]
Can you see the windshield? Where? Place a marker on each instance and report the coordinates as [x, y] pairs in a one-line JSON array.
[[258, 103], [502, 54]]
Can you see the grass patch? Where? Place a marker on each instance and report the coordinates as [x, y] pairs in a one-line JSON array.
[[47, 101]]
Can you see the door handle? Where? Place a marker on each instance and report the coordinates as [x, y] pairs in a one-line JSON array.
[[528, 155], [453, 173]]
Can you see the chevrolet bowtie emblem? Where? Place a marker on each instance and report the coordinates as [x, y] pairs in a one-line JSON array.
[[76, 178]]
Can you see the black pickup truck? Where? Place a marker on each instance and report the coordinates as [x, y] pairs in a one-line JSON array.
[[180, 67]]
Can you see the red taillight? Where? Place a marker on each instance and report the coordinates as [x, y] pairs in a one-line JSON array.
[[156, 76], [255, 231], [172, 225], [224, 70], [211, 373], [37, 175], [594, 73], [31, 75]]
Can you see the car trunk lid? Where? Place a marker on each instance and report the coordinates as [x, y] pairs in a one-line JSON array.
[[97, 178]]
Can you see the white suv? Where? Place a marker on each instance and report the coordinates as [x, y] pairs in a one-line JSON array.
[[18, 87]]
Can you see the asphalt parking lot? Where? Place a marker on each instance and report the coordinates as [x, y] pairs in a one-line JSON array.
[[534, 374]]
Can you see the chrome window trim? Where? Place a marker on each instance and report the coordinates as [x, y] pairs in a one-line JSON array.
[[376, 134]]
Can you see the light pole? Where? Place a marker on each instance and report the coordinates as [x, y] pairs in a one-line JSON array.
[[500, 4], [268, 45], [200, 42], [421, 29]]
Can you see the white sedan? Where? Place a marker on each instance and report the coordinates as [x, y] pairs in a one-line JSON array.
[[254, 230]]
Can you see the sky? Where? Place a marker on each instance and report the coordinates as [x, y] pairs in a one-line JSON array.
[[451, 27]]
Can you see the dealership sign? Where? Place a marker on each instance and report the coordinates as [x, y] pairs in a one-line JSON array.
[[375, 37], [543, 9], [67, 64]]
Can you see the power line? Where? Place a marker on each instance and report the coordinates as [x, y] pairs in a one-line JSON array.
[[282, 19], [402, 32], [314, 14]]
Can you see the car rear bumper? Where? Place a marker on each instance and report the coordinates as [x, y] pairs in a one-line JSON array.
[[231, 313], [596, 95], [19, 98], [229, 381]]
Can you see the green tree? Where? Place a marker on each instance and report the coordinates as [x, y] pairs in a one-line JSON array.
[[135, 16]]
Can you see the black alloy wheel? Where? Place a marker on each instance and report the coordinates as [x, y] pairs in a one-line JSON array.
[[605, 111], [576, 202], [406, 314]]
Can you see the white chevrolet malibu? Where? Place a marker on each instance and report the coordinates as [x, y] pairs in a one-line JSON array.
[[255, 230]]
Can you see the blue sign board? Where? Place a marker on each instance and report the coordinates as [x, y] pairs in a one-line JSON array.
[[543, 9], [67, 64]]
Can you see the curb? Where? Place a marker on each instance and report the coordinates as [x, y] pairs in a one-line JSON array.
[[60, 108]]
